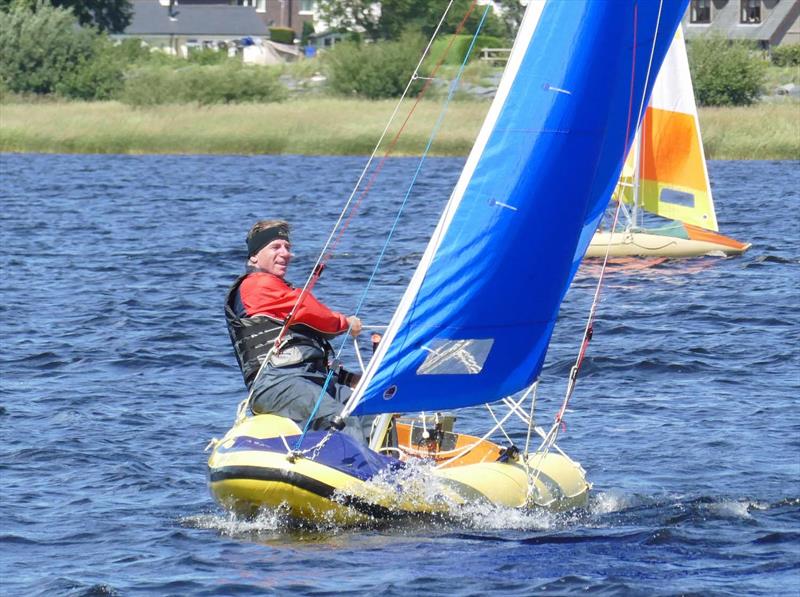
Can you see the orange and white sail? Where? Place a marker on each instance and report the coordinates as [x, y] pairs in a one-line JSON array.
[[672, 175]]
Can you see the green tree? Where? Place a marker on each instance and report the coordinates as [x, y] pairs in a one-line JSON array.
[[725, 73], [346, 15], [308, 31], [107, 15], [415, 16], [513, 11]]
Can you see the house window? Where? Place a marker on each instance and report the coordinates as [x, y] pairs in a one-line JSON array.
[[700, 12], [306, 6], [751, 11], [259, 5]]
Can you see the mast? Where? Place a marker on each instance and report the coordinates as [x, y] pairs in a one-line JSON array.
[[635, 217]]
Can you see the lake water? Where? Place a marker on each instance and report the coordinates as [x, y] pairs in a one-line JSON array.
[[116, 371]]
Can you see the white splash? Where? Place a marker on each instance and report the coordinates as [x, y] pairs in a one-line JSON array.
[[732, 509], [230, 525], [608, 502]]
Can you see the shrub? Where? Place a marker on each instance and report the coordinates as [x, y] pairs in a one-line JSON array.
[[207, 56], [374, 71], [281, 35], [133, 51], [38, 49], [460, 47], [150, 86], [98, 77], [725, 73], [228, 83], [786, 55]]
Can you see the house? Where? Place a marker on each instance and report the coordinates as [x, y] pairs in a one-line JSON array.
[[274, 13], [177, 28], [768, 22], [326, 39]]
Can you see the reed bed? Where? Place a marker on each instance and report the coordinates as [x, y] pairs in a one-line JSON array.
[[768, 131], [326, 126], [306, 127]]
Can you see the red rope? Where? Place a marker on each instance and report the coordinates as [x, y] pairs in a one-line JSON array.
[[354, 210], [587, 337]]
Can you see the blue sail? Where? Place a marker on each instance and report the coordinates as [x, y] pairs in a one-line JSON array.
[[476, 319]]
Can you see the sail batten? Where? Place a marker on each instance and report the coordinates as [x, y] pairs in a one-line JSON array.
[[485, 297]]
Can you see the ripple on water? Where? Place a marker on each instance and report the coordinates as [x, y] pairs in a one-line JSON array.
[[117, 370]]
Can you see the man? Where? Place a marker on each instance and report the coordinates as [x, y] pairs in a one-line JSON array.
[[290, 382]]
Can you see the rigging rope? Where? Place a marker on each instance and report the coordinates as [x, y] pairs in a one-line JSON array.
[[329, 247], [330, 244], [351, 403], [588, 331]]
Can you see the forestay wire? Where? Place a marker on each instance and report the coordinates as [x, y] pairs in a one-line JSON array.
[[351, 403], [330, 244], [328, 248]]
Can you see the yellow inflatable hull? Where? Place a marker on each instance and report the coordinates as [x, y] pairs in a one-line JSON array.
[[246, 480]]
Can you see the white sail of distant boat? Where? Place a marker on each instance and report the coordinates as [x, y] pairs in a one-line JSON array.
[[474, 324], [666, 175]]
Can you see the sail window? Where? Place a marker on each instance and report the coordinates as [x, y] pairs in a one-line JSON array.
[[676, 197], [455, 357]]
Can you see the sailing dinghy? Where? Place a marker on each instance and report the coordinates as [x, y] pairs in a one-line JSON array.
[[666, 175], [475, 321]]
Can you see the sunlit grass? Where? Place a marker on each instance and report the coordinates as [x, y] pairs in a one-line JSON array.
[[310, 127], [766, 131], [326, 126]]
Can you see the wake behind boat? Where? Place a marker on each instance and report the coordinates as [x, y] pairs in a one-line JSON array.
[[666, 176], [474, 323]]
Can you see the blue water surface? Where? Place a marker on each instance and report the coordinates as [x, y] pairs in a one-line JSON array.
[[116, 371]]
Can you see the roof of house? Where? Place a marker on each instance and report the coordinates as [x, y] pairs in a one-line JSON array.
[[726, 22], [151, 18]]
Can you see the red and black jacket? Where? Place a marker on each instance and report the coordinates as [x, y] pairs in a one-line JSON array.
[[256, 308]]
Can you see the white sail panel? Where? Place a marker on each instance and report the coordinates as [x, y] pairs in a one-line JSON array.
[[673, 178]]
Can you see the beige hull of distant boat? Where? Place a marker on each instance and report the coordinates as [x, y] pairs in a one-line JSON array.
[[644, 244]]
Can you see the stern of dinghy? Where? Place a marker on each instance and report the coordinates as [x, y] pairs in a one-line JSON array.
[[251, 469]]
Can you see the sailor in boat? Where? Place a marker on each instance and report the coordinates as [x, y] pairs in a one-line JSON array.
[[287, 379]]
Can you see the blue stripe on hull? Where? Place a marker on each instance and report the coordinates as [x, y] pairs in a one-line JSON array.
[[339, 452]]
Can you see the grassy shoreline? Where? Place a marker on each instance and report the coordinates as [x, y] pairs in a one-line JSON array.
[[326, 126]]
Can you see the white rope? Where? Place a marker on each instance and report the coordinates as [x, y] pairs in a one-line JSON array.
[[502, 429], [366, 168], [531, 422], [358, 354]]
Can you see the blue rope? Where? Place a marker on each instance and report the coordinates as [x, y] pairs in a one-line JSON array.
[[435, 130], [437, 125], [314, 411]]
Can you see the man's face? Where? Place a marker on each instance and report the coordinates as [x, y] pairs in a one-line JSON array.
[[274, 258]]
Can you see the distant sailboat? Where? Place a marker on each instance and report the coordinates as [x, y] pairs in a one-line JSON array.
[[475, 321], [666, 175]]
